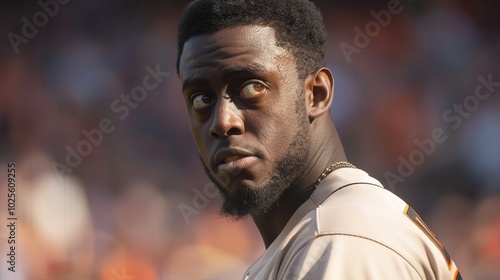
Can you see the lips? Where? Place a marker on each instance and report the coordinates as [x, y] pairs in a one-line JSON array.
[[233, 160]]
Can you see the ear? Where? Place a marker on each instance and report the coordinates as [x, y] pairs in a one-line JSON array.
[[319, 93]]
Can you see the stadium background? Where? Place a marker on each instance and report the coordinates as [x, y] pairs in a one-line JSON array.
[[118, 211]]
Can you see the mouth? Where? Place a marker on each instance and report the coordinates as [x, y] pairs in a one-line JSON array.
[[233, 161]]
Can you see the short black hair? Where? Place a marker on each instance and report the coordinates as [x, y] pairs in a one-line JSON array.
[[298, 25]]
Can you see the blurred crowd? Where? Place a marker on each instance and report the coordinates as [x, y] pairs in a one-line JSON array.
[[133, 201]]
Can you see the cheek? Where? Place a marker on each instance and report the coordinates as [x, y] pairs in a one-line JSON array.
[[276, 132], [199, 134]]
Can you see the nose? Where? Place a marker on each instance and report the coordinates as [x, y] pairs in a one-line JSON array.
[[227, 119]]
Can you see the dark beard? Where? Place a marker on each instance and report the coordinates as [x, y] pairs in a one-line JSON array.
[[251, 201]]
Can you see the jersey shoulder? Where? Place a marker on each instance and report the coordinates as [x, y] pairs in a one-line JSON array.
[[365, 211]]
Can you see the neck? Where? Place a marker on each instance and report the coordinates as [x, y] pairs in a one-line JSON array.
[[323, 153]]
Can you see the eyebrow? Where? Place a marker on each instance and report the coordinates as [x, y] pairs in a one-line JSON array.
[[194, 82], [227, 73], [250, 68]]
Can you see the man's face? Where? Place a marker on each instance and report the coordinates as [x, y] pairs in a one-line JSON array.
[[247, 115]]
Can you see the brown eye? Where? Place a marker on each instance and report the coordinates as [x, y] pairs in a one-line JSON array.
[[201, 101], [252, 89]]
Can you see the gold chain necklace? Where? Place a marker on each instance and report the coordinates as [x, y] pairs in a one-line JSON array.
[[331, 168]]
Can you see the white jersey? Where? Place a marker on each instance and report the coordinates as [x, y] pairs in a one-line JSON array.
[[352, 228]]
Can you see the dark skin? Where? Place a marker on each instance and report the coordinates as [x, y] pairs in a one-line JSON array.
[[240, 89]]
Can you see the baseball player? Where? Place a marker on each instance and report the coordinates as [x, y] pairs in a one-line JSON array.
[[258, 96]]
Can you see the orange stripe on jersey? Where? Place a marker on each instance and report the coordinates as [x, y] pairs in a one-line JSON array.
[[415, 218]]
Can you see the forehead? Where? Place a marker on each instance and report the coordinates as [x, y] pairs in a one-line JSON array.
[[235, 47]]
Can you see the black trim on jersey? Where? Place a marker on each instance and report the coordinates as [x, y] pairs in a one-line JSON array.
[[351, 184]]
